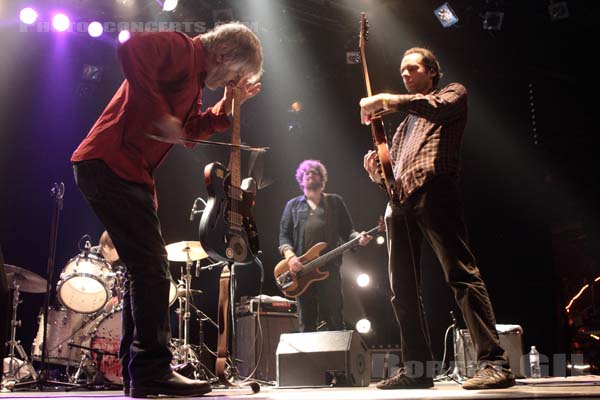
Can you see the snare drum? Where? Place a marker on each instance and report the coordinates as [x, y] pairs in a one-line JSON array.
[[85, 284]]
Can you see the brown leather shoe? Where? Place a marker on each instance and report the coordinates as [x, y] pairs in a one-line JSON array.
[[490, 377], [171, 384], [402, 381]]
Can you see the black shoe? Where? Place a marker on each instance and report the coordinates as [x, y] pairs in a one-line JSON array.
[[490, 377], [171, 384], [402, 381], [126, 390]]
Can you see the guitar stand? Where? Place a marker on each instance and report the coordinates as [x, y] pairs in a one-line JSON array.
[[98, 380]]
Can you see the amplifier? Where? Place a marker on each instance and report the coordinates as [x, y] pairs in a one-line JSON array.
[[511, 340], [256, 340], [266, 305]]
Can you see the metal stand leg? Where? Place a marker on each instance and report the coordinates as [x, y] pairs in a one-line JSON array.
[[15, 365], [185, 354]]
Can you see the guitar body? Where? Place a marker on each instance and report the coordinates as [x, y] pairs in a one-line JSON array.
[[385, 161], [294, 284], [219, 237]]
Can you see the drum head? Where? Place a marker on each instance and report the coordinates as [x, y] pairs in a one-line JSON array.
[[83, 293], [106, 336]]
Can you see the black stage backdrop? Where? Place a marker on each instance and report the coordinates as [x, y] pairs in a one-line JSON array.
[[529, 182]]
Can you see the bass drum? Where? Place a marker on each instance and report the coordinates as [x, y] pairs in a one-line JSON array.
[[85, 284], [64, 327], [104, 333]]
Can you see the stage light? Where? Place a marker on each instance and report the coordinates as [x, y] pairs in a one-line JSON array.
[[61, 22], [91, 73], [363, 326], [380, 240], [28, 15], [558, 10], [95, 29], [492, 20], [170, 5], [295, 107], [124, 36], [446, 15], [363, 280]]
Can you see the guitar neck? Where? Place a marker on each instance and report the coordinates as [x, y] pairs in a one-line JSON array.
[[235, 159], [330, 255], [363, 57]]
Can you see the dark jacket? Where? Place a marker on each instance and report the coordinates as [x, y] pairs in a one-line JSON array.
[[293, 222]]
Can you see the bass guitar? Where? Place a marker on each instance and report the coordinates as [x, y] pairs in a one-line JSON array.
[[293, 284], [227, 230], [377, 127]]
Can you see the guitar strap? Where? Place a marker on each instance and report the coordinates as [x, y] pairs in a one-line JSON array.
[[223, 321], [332, 222]]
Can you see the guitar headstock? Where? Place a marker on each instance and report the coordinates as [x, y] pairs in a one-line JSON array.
[[364, 30]]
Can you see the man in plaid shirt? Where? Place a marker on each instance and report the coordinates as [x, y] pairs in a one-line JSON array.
[[425, 154]]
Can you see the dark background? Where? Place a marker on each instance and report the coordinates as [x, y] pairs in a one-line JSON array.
[[529, 175]]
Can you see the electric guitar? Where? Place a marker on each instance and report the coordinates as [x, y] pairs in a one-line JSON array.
[[293, 284], [377, 127], [227, 229]]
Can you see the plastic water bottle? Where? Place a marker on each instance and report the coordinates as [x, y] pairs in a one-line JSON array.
[[534, 363]]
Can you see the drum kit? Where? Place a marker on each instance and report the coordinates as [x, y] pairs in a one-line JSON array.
[[83, 333]]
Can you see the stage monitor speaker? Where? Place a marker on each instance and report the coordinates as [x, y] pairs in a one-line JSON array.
[[511, 340], [338, 358], [248, 343]]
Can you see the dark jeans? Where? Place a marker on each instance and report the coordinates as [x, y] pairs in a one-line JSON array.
[[127, 211], [435, 213], [323, 300]]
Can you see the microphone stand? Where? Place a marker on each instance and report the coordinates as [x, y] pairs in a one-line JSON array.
[[455, 375], [57, 192]]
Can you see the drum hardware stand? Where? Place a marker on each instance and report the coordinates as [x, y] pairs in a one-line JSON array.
[[57, 192], [98, 380], [186, 354], [14, 367]]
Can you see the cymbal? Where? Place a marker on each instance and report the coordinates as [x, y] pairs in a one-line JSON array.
[[185, 251], [28, 281]]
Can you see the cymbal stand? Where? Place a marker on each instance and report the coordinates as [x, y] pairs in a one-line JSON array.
[[14, 365], [185, 353]]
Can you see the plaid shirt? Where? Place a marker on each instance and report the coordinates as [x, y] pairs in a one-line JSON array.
[[427, 142]]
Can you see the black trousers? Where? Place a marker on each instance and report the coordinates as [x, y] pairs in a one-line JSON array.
[[127, 211], [323, 300], [435, 214]]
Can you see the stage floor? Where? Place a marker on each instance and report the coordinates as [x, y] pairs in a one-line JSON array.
[[582, 387]]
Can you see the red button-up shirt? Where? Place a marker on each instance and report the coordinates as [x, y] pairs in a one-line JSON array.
[[164, 74]]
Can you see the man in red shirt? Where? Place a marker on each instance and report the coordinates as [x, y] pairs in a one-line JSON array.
[[165, 73]]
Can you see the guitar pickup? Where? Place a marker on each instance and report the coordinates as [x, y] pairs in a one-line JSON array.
[[285, 280]]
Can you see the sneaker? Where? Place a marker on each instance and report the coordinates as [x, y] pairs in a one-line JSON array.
[[490, 377], [402, 381]]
